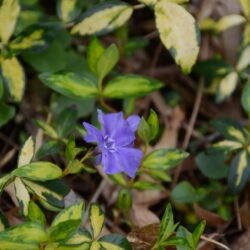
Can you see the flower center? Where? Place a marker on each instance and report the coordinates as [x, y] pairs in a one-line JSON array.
[[109, 143]]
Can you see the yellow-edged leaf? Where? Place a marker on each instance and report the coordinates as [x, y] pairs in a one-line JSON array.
[[39, 171], [79, 238], [50, 199], [27, 152], [22, 195], [104, 18], [9, 12], [14, 76], [246, 35], [178, 32], [110, 246], [74, 212], [227, 86], [4, 181], [7, 244], [96, 217]]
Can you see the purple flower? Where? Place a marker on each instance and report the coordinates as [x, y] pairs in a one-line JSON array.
[[115, 141]]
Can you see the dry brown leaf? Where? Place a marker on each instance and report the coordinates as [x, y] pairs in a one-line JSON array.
[[245, 215], [141, 216], [211, 218]]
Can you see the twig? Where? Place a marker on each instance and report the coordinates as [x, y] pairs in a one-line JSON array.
[[191, 124], [237, 211], [217, 243]]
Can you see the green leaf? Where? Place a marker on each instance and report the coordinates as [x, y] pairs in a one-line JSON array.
[[7, 113], [35, 214], [118, 179], [150, 3], [184, 192], [145, 185], [94, 52], [71, 151], [153, 122], [47, 196], [246, 35], [67, 222], [124, 199], [239, 171], [182, 232], [68, 10], [96, 217], [14, 77], [164, 159], [226, 86], [9, 12], [167, 226], [173, 23], [28, 232], [27, 152], [212, 166], [8, 244], [245, 98], [103, 19], [51, 59], [231, 129], [22, 195], [198, 232], [39, 171], [161, 175], [114, 242], [70, 84], [47, 129], [4, 181], [95, 245], [1, 87], [50, 147], [245, 4], [244, 59], [107, 61], [144, 130], [66, 121], [122, 87]]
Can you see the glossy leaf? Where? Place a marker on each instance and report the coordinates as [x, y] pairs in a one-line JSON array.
[[27, 152], [14, 77], [22, 195], [153, 122], [164, 158], [94, 52], [122, 87], [9, 12], [173, 23], [107, 61], [103, 19], [35, 214], [70, 84], [212, 166], [39, 171], [96, 217]]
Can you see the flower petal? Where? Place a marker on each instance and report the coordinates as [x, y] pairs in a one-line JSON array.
[[93, 134], [130, 160], [110, 162], [133, 122]]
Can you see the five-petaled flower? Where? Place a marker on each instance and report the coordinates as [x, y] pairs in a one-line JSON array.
[[115, 142]]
